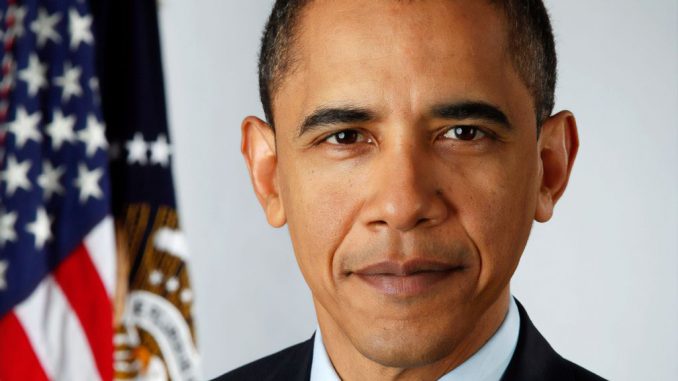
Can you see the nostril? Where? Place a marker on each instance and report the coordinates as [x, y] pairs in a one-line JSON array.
[[422, 221], [378, 225]]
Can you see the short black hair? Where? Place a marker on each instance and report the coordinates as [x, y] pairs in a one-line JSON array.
[[530, 42]]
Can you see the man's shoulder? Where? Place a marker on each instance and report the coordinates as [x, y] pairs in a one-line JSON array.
[[566, 370], [535, 359], [292, 363], [581, 374]]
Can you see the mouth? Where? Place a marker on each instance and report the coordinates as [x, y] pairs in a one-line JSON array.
[[406, 279]]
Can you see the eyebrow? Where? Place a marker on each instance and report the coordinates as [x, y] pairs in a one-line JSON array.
[[471, 110], [328, 116]]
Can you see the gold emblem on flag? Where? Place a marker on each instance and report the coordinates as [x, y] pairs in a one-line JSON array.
[[155, 333]]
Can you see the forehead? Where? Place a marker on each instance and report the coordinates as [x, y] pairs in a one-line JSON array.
[[405, 53], [402, 22]]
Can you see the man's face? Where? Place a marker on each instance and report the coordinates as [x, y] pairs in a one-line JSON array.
[[407, 168]]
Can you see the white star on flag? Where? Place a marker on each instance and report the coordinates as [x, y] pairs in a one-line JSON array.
[[34, 75], [137, 150], [3, 270], [70, 81], [61, 129], [88, 182], [49, 179], [160, 151], [16, 175], [80, 28], [40, 228], [7, 232], [94, 135], [44, 27], [25, 127]]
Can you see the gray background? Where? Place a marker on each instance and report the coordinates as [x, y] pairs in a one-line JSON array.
[[600, 280]]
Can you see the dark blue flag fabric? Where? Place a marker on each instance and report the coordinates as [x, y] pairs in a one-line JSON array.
[[155, 337]]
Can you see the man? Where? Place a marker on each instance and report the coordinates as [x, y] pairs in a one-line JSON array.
[[408, 146]]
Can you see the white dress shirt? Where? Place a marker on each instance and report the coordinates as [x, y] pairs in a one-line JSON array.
[[488, 364]]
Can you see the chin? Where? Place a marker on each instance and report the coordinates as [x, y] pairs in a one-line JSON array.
[[409, 346]]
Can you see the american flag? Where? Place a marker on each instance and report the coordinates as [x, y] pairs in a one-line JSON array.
[[57, 251]]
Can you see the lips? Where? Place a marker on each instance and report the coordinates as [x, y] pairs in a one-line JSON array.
[[406, 279]]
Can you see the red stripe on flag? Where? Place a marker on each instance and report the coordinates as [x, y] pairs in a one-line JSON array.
[[80, 282], [17, 359]]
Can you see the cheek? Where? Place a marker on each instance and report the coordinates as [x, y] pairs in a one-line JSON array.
[[497, 210], [319, 206]]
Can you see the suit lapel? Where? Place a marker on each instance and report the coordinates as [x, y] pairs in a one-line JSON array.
[[299, 363], [534, 359]]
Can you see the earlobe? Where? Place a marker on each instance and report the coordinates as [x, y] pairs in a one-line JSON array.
[[259, 150], [545, 206], [558, 146]]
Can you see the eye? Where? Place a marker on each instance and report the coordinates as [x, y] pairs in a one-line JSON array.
[[467, 133], [346, 137]]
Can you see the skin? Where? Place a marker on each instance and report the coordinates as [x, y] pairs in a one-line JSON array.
[[403, 185]]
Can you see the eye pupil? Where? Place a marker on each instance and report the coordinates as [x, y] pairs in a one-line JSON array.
[[465, 132], [347, 137]]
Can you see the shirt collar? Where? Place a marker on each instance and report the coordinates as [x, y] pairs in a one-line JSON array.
[[488, 364]]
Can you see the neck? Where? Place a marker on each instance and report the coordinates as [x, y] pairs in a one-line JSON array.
[[350, 364]]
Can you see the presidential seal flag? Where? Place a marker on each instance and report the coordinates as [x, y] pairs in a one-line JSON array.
[[57, 259], [155, 336]]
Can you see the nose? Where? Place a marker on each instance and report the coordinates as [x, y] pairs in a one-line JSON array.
[[404, 191]]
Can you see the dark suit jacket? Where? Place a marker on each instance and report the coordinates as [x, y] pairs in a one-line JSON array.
[[533, 360]]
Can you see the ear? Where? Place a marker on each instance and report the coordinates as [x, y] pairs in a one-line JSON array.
[[259, 150], [558, 145]]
